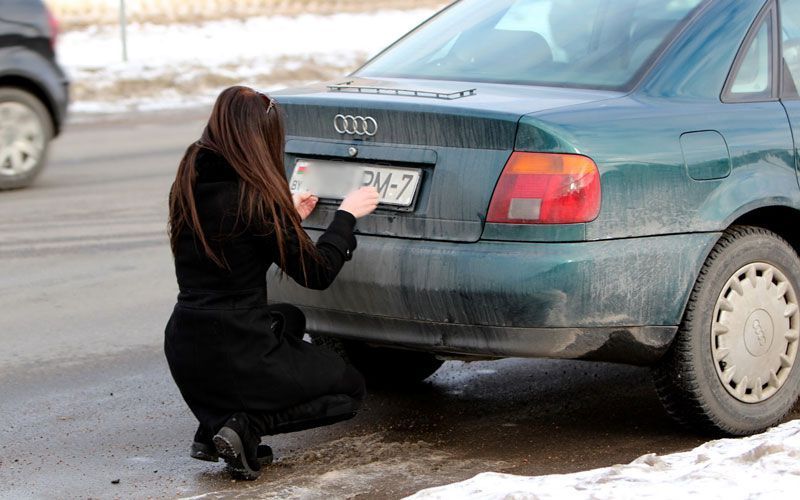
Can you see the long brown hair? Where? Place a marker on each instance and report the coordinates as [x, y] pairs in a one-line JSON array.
[[245, 128]]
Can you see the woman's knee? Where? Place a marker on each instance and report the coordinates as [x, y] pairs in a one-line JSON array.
[[291, 318]]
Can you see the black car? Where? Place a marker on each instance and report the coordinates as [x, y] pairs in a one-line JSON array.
[[33, 90]]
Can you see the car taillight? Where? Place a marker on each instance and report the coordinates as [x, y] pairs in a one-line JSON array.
[[545, 188], [53, 22]]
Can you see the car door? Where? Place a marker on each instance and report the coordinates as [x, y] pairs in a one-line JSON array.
[[789, 42]]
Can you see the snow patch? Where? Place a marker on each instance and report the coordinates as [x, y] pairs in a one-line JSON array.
[[186, 64], [760, 466]]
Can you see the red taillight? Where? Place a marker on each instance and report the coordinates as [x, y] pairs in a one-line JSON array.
[[545, 188], [53, 22]]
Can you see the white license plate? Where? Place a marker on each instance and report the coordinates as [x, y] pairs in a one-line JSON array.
[[335, 179]]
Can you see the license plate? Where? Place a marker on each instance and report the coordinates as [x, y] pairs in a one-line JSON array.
[[396, 186]]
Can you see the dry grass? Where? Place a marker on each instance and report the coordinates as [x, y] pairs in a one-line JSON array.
[[81, 13]]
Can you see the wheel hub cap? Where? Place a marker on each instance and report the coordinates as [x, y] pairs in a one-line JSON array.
[[22, 139], [758, 332], [754, 337]]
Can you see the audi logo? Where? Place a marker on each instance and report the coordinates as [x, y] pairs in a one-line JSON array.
[[355, 125]]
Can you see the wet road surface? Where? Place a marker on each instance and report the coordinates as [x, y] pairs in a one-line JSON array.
[[88, 409]]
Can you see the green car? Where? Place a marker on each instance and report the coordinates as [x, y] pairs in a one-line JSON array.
[[582, 179]]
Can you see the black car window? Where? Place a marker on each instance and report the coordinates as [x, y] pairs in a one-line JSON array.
[[583, 43]]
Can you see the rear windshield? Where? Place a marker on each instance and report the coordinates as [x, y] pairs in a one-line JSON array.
[[571, 43]]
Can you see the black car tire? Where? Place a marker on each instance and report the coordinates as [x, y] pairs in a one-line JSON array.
[[45, 127], [383, 367], [690, 380]]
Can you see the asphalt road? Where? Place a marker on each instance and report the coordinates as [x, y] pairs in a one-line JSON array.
[[88, 409]]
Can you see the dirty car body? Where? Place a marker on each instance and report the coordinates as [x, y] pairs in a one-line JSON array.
[[688, 134]]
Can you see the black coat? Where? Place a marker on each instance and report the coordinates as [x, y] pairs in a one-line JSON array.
[[221, 351]]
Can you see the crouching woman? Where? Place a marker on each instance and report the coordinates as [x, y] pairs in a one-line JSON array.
[[241, 365]]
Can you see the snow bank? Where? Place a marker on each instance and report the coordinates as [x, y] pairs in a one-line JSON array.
[[82, 13], [180, 64], [224, 42], [762, 466]]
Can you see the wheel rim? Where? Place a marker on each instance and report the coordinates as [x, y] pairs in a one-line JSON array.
[[21, 139], [754, 335]]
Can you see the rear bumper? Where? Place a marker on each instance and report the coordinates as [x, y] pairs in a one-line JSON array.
[[640, 345], [618, 300]]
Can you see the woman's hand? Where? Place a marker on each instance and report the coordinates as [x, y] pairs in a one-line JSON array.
[[305, 203], [361, 202]]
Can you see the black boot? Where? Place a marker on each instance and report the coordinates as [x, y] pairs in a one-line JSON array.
[[237, 444], [203, 446], [203, 449]]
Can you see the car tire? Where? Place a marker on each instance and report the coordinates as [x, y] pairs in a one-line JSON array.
[[26, 130], [732, 370], [383, 367]]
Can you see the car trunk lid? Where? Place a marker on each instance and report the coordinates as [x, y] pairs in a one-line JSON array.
[[459, 135]]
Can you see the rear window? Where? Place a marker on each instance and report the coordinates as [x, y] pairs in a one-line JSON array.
[[580, 43]]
